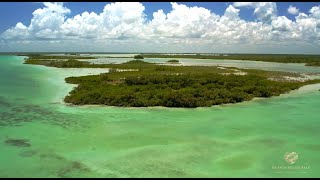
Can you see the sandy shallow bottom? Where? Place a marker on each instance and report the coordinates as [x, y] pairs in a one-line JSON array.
[[59, 75], [40, 138]]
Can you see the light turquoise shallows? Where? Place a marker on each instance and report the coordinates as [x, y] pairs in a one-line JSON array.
[[240, 140]]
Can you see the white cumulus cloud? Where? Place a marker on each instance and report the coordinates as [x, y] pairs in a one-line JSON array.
[[293, 10], [124, 25], [264, 11]]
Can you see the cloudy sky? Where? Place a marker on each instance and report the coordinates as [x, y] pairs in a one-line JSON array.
[[211, 27]]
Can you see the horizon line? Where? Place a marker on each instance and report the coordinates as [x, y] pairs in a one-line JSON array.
[[83, 52]]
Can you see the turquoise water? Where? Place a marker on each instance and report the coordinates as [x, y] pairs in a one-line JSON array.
[[57, 140]]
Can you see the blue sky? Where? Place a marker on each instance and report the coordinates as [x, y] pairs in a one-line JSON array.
[[240, 14]]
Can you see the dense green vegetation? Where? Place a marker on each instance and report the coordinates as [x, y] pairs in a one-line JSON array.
[[173, 90], [173, 61], [136, 62], [252, 57], [151, 84], [313, 64], [70, 63], [58, 61], [72, 54], [138, 57]]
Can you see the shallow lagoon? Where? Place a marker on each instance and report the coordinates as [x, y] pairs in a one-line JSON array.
[[239, 140], [270, 66]]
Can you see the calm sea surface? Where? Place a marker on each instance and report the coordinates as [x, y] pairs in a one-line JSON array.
[[42, 137]]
